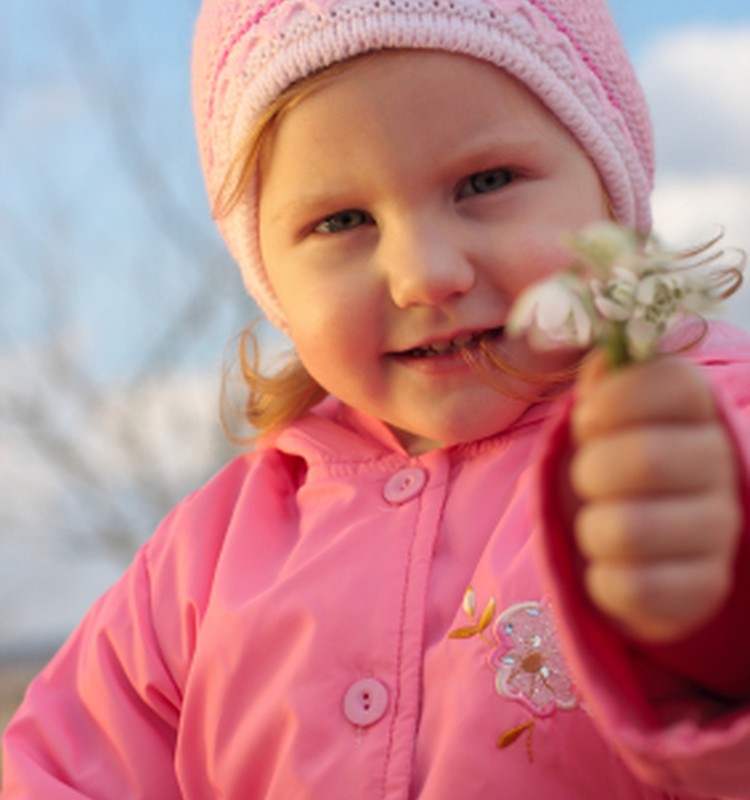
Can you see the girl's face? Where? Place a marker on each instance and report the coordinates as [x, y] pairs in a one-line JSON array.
[[403, 207]]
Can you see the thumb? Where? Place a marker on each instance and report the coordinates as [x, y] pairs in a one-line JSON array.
[[593, 368]]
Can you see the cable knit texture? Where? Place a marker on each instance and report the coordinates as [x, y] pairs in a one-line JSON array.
[[568, 52]]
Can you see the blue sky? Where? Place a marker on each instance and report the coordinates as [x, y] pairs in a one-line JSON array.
[[640, 21], [61, 172], [67, 173]]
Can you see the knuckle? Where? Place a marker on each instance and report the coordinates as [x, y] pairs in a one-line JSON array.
[[644, 463], [656, 600], [687, 389], [647, 459], [710, 525], [583, 470], [596, 532], [622, 592], [606, 531], [723, 519], [685, 456], [640, 593], [719, 453]]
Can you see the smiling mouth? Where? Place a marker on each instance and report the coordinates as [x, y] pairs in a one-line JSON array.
[[456, 345]]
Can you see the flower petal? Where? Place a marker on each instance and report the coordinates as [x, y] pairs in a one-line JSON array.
[[600, 244]]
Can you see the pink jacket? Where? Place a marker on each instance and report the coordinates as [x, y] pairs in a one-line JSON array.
[[302, 627]]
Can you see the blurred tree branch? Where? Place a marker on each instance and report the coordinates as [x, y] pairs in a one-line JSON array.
[[107, 477]]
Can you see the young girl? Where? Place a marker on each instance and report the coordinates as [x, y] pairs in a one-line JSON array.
[[434, 577]]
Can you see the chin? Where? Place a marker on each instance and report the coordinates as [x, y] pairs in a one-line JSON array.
[[417, 443]]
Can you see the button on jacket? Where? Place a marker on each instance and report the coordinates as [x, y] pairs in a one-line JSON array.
[[331, 618]]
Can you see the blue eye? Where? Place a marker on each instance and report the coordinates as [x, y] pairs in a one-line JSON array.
[[484, 182], [343, 221]]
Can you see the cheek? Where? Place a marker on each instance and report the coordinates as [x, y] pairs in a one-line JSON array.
[[538, 254], [323, 318], [540, 247]]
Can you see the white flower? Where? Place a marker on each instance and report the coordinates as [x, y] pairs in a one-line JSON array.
[[553, 313], [698, 300], [615, 299], [601, 244], [659, 292], [641, 262], [642, 338], [621, 291]]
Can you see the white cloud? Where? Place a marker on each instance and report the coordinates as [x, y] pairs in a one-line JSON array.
[[168, 426], [697, 82], [82, 469], [690, 211]]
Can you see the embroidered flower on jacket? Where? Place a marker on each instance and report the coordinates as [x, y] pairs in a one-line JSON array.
[[526, 658], [530, 666]]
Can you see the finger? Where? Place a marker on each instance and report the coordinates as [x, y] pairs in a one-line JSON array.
[[660, 601], [654, 529], [666, 390], [593, 368], [667, 459]]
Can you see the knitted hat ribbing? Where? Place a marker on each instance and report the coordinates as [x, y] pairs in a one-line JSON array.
[[567, 52]]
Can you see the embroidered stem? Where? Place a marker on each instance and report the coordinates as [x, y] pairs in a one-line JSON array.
[[512, 736], [479, 625]]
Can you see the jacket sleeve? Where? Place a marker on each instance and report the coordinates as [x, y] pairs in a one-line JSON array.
[[101, 718], [663, 708], [101, 721]]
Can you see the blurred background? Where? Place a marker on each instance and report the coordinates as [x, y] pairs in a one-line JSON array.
[[118, 302]]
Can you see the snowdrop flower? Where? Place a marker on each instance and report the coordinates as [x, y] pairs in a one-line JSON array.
[[601, 244], [622, 292], [615, 298], [553, 313], [662, 299], [642, 337]]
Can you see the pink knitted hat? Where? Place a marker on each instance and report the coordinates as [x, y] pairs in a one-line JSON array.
[[567, 52]]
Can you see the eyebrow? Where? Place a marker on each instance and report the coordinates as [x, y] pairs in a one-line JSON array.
[[305, 205], [489, 147], [485, 148]]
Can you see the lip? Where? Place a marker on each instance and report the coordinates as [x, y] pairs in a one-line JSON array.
[[428, 356]]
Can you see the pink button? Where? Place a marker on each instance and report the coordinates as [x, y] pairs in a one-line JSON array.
[[366, 702], [404, 485]]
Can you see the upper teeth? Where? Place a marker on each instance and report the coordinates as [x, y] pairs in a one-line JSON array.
[[452, 344], [449, 345], [468, 338]]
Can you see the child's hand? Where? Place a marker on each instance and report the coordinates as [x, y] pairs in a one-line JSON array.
[[660, 517]]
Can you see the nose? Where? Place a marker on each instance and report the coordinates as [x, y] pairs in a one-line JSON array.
[[426, 264]]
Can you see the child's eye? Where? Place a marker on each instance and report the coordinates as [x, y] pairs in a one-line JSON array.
[[483, 182], [343, 221]]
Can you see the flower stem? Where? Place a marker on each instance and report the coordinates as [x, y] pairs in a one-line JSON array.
[[615, 345]]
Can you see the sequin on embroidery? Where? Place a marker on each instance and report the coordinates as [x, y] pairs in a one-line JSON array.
[[526, 658]]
